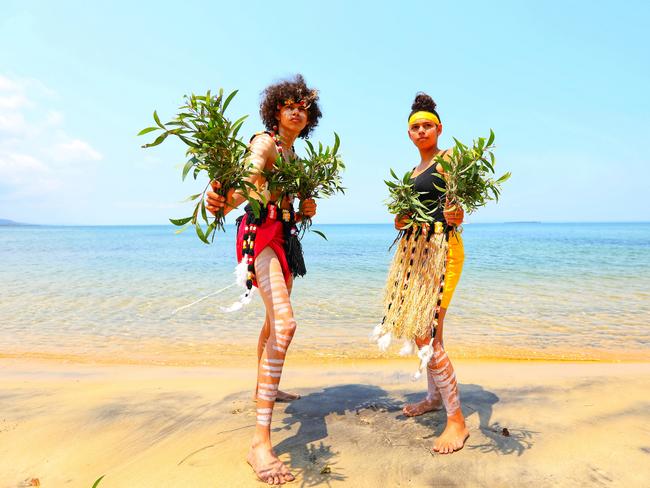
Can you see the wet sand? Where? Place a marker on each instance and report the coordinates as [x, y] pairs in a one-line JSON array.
[[569, 424]]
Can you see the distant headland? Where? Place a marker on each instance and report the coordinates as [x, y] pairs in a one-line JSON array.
[[10, 222]]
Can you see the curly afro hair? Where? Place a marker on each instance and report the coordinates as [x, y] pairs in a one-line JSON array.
[[424, 102], [296, 89]]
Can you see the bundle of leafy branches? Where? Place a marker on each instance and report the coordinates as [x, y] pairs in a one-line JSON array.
[[469, 182], [404, 200], [213, 147], [469, 174], [317, 175]]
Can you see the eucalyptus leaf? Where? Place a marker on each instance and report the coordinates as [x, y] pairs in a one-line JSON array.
[[467, 178], [180, 222], [316, 176], [213, 149], [147, 130]]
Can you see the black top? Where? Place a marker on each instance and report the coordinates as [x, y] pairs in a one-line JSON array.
[[429, 194]]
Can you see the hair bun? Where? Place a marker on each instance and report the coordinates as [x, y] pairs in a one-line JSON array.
[[423, 102]]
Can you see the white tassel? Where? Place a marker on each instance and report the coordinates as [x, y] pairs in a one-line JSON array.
[[241, 273], [425, 354], [232, 308], [376, 333], [384, 341], [407, 348], [244, 299]]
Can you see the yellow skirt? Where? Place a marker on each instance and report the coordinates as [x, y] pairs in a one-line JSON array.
[[455, 260], [422, 279]]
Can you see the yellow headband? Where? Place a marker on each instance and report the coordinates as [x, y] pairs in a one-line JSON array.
[[424, 115]]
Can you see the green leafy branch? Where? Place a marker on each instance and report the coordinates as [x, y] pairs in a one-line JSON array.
[[318, 175], [213, 147], [404, 200], [469, 174]]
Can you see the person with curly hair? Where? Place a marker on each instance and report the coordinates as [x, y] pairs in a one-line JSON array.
[[424, 128], [269, 253]]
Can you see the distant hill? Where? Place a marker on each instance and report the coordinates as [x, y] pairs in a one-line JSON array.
[[10, 222]]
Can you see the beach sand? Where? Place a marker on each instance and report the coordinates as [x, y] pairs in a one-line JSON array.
[[570, 424]]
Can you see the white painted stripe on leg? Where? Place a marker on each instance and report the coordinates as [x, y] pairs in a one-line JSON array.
[[271, 374], [272, 368], [264, 391], [444, 383]]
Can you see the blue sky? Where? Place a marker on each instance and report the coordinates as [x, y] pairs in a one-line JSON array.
[[563, 85]]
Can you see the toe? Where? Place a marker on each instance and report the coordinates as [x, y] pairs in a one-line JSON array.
[[286, 474]]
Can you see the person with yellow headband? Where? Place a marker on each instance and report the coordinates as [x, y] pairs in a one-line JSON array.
[[424, 128]]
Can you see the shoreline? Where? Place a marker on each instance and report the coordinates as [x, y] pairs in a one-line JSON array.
[[215, 355], [144, 426]]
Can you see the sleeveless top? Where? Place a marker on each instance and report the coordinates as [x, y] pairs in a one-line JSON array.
[[431, 196]]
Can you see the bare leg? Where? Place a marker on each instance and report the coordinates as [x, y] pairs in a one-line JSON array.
[[432, 401], [261, 344], [442, 372], [282, 326]]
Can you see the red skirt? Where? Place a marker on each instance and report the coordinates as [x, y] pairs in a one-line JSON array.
[[270, 233]]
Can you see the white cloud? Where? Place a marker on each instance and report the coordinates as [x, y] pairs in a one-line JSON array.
[[12, 123], [19, 168], [54, 118], [13, 101], [8, 85], [34, 158], [74, 150]]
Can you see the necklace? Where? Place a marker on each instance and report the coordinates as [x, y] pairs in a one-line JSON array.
[[278, 143]]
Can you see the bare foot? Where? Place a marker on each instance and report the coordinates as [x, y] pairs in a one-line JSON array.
[[452, 438], [283, 397], [421, 407], [267, 465]]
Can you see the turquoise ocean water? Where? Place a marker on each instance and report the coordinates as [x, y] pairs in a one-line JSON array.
[[562, 291]]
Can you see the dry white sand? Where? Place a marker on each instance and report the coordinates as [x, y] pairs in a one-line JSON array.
[[570, 424]]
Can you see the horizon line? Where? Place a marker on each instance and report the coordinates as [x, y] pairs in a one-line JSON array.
[[23, 224]]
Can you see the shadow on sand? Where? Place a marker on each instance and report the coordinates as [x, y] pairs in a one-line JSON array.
[[475, 400], [372, 408], [309, 453]]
